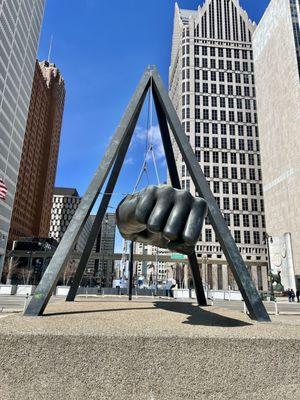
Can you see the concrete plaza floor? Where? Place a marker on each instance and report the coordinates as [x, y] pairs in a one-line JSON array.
[[147, 349]]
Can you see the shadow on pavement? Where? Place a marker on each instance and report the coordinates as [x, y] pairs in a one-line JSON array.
[[54, 314], [199, 316]]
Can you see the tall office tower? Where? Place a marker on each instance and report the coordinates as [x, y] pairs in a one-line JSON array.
[[20, 24], [276, 48], [64, 204], [33, 199], [212, 86], [105, 244]]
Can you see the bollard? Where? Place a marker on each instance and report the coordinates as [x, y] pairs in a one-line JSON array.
[[25, 302], [103, 293], [86, 292], [276, 308], [212, 301]]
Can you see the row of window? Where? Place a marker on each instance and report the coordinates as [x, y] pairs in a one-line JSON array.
[[221, 89], [215, 171], [220, 115], [214, 128], [225, 157], [221, 52], [212, 64], [214, 76], [225, 143], [247, 236], [221, 101]]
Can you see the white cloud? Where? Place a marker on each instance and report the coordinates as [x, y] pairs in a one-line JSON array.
[[129, 161], [154, 138]]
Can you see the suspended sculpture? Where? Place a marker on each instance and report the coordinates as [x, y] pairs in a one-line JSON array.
[[111, 164], [162, 216]]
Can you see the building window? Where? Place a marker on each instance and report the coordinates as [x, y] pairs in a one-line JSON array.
[[247, 237], [216, 187], [225, 172], [237, 236], [245, 204], [224, 158], [256, 237], [246, 220], [236, 219], [226, 203], [225, 188], [244, 188], [208, 235]]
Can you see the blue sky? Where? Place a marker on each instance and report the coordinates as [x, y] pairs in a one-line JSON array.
[[102, 48]]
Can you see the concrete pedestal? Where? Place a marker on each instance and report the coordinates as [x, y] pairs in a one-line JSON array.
[[145, 350], [7, 290]]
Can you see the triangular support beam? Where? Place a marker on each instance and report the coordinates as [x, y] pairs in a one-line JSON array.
[[113, 160]]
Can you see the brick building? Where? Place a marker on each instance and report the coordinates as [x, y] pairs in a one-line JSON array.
[[33, 199]]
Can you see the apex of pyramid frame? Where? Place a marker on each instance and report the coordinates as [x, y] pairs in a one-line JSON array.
[[111, 164]]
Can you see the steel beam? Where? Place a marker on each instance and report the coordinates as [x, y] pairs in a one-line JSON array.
[[102, 209], [249, 292], [175, 182], [49, 280]]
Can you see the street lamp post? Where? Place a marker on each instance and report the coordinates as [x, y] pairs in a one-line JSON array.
[[270, 283]]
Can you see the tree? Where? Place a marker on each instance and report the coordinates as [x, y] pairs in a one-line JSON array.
[[69, 272], [25, 272], [10, 268]]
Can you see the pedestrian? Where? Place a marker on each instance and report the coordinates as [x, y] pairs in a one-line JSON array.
[[298, 295], [293, 295], [289, 293]]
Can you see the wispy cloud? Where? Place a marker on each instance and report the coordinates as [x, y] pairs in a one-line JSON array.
[[129, 161], [154, 138]]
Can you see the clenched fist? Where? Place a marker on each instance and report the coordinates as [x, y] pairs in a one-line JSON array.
[[162, 216]]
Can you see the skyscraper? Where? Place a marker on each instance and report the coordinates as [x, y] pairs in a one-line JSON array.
[[20, 24], [212, 86], [276, 47], [104, 244], [33, 199], [65, 202]]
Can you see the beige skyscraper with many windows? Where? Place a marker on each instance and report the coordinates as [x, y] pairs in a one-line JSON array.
[[276, 47], [212, 86]]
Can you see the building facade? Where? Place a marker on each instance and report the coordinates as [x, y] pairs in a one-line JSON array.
[[103, 268], [33, 198], [152, 271], [20, 24], [212, 86], [276, 47], [64, 205]]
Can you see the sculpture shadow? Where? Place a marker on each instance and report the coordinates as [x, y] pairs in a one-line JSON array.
[[200, 316], [74, 312]]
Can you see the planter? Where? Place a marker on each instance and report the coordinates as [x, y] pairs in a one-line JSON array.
[[23, 290], [232, 295], [6, 290], [181, 293], [62, 290]]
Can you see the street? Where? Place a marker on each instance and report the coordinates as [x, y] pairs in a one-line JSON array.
[[16, 303]]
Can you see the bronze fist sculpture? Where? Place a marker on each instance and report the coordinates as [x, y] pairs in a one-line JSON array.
[[162, 216]]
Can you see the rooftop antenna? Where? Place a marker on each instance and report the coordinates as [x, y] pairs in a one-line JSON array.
[[50, 48]]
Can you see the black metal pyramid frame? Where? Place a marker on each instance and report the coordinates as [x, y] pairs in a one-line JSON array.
[[112, 163]]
